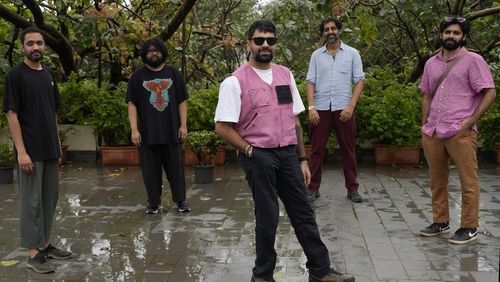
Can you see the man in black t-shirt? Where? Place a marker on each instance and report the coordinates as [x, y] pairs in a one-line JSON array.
[[157, 111], [31, 100]]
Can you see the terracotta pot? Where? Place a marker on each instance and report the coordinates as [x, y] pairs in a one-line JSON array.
[[401, 155], [191, 159], [127, 155]]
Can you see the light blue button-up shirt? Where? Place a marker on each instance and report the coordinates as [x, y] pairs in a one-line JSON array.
[[333, 78]]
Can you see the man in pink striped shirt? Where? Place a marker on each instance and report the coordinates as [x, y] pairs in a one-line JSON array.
[[451, 108]]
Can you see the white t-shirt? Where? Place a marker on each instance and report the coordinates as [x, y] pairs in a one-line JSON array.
[[229, 105]]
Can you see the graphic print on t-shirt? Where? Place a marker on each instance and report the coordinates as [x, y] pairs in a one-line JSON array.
[[159, 92]]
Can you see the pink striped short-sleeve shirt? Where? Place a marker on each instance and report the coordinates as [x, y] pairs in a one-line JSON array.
[[458, 95]]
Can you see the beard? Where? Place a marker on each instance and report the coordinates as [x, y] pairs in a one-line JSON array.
[[331, 39], [263, 58], [35, 56], [450, 44], [153, 62]]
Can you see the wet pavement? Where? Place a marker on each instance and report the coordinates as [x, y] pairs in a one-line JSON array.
[[100, 218]]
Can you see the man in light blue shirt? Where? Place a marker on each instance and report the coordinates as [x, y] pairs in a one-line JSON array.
[[333, 69]]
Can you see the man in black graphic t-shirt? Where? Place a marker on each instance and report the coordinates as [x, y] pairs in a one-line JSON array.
[[157, 110]]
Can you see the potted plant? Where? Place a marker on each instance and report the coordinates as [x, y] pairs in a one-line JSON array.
[[202, 103], [6, 163], [204, 145], [489, 130], [109, 121], [389, 116], [63, 137]]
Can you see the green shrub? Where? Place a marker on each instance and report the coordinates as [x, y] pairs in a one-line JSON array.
[[389, 112], [202, 102], [204, 144], [109, 118], [489, 127], [6, 155], [102, 108]]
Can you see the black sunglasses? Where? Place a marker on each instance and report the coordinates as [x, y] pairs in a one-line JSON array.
[[260, 40], [458, 19]]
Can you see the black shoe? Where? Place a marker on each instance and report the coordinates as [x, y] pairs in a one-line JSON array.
[[354, 196], [183, 206], [152, 209], [464, 236], [332, 276], [39, 264], [52, 252], [435, 229], [256, 279]]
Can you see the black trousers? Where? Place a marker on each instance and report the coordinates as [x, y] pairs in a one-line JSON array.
[[168, 156], [273, 173]]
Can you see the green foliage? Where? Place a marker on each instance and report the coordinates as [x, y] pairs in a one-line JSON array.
[[204, 144], [109, 118], [203, 97], [489, 127], [76, 106], [389, 112], [6, 155], [102, 108]]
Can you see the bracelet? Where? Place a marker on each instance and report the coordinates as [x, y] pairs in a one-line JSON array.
[[301, 159], [311, 108], [249, 151]]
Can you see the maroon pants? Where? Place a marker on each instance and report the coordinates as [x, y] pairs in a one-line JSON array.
[[346, 137]]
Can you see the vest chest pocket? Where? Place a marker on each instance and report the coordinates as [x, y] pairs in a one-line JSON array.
[[259, 97]]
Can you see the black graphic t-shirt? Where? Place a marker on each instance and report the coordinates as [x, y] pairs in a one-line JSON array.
[[157, 95]]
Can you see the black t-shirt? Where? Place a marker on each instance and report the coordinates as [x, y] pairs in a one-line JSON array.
[[157, 95], [34, 96]]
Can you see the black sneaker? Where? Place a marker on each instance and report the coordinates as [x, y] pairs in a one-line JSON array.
[[316, 194], [464, 236], [52, 252], [152, 209], [332, 276], [354, 196], [183, 206], [435, 229], [39, 264]]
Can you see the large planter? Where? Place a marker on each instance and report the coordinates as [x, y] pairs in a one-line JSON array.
[[128, 155], [6, 175], [203, 174], [191, 159], [401, 155]]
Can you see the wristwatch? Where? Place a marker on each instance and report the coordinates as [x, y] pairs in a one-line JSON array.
[[301, 159], [311, 107]]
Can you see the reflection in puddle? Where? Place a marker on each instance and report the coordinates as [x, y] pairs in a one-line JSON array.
[[74, 203], [139, 244]]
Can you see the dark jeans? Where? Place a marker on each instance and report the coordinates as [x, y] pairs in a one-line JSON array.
[[346, 137], [168, 156], [273, 173]]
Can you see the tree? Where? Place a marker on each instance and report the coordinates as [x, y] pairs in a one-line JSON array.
[[85, 32]]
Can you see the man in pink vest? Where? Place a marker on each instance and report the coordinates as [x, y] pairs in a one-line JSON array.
[[457, 88], [257, 114]]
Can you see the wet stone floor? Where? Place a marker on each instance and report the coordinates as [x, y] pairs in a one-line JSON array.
[[100, 218]]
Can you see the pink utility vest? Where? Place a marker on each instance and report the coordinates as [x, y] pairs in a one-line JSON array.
[[263, 122]]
